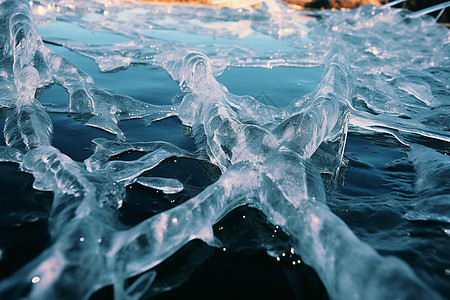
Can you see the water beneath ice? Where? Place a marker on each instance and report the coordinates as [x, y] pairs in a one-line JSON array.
[[177, 152]]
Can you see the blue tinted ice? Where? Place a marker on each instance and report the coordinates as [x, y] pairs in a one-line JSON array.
[[383, 72]]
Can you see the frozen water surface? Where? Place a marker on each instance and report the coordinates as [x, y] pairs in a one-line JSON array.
[[154, 150]]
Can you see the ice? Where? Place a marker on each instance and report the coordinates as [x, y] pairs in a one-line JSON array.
[[107, 107], [432, 185], [83, 210], [327, 244], [127, 172], [8, 154], [158, 237], [28, 126], [379, 74], [166, 185], [421, 91]]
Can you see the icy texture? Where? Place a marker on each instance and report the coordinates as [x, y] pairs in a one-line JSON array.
[[375, 68], [8, 154], [127, 171], [107, 107], [166, 185], [432, 185]]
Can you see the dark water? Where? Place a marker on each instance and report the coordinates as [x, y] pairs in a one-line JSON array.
[[376, 193]]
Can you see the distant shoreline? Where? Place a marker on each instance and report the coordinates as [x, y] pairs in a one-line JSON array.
[[298, 4], [314, 4]]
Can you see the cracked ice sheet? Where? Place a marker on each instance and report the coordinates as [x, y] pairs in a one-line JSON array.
[[273, 147]]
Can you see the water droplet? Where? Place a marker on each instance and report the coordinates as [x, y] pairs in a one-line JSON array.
[[447, 231]]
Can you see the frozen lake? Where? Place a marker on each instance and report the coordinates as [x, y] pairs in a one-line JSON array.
[[178, 152]]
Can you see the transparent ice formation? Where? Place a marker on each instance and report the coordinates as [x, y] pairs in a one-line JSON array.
[[383, 72]]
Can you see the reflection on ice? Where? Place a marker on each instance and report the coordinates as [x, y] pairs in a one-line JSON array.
[[278, 160]]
